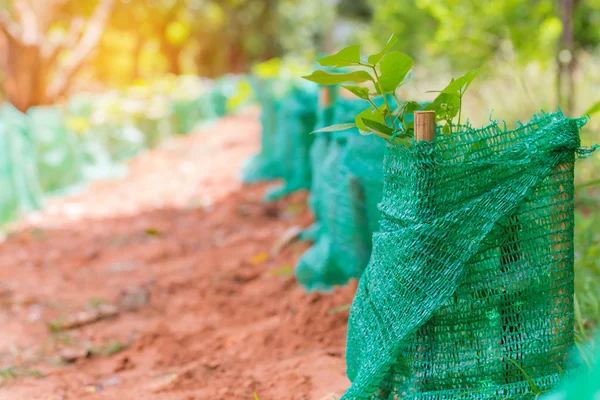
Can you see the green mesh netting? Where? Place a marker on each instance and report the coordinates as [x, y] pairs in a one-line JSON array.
[[9, 203], [318, 154], [218, 98], [95, 159], [94, 156], [112, 122], [347, 186], [19, 169], [155, 130], [188, 114], [294, 122], [123, 140], [470, 283], [264, 165], [57, 159], [584, 385]]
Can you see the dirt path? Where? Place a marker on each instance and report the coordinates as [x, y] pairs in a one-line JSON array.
[[183, 251]]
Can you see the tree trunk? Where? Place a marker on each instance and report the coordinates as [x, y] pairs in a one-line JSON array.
[[173, 54], [25, 75], [31, 60], [137, 52]]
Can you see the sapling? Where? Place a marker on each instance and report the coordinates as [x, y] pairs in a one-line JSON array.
[[381, 74]]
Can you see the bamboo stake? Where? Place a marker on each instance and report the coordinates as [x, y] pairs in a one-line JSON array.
[[424, 122], [424, 125]]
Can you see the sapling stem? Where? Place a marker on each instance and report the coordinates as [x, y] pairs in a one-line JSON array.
[[459, 112], [400, 115], [383, 94], [375, 106]]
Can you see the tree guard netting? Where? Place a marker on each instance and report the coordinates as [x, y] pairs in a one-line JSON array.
[[347, 185], [189, 114], [264, 165], [469, 290], [584, 385], [21, 192], [58, 160], [296, 119], [318, 154]]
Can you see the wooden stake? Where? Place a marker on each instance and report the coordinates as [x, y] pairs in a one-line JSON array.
[[424, 125], [325, 99], [424, 122]]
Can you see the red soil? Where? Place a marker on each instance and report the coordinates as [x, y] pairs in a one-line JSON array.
[[207, 311]]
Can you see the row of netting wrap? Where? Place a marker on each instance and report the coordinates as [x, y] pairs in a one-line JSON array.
[[346, 188], [264, 165], [196, 102], [52, 150], [57, 150], [584, 385], [20, 191], [469, 290], [294, 121]]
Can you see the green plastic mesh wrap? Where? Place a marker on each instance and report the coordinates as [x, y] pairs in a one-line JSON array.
[[469, 290], [218, 98], [295, 121], [189, 114], [113, 124], [584, 385], [9, 202], [18, 165], [96, 161], [344, 197], [58, 162], [264, 165], [318, 154], [94, 156]]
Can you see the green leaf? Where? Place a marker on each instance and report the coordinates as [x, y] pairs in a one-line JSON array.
[[529, 380], [593, 109], [335, 128], [359, 91], [343, 58], [375, 58], [376, 127], [371, 114], [330, 78], [411, 106], [409, 77], [394, 67], [339, 308], [446, 106], [459, 86]]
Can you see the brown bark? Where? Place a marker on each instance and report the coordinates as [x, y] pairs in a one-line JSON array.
[[32, 75], [172, 53]]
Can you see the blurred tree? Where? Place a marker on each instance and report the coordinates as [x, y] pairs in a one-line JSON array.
[[307, 26], [234, 34], [39, 66], [565, 59], [472, 31], [468, 33]]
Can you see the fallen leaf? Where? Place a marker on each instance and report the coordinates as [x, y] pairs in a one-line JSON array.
[[259, 258], [288, 237]]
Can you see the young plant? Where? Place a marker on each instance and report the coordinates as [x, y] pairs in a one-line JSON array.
[[382, 74], [448, 104]]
